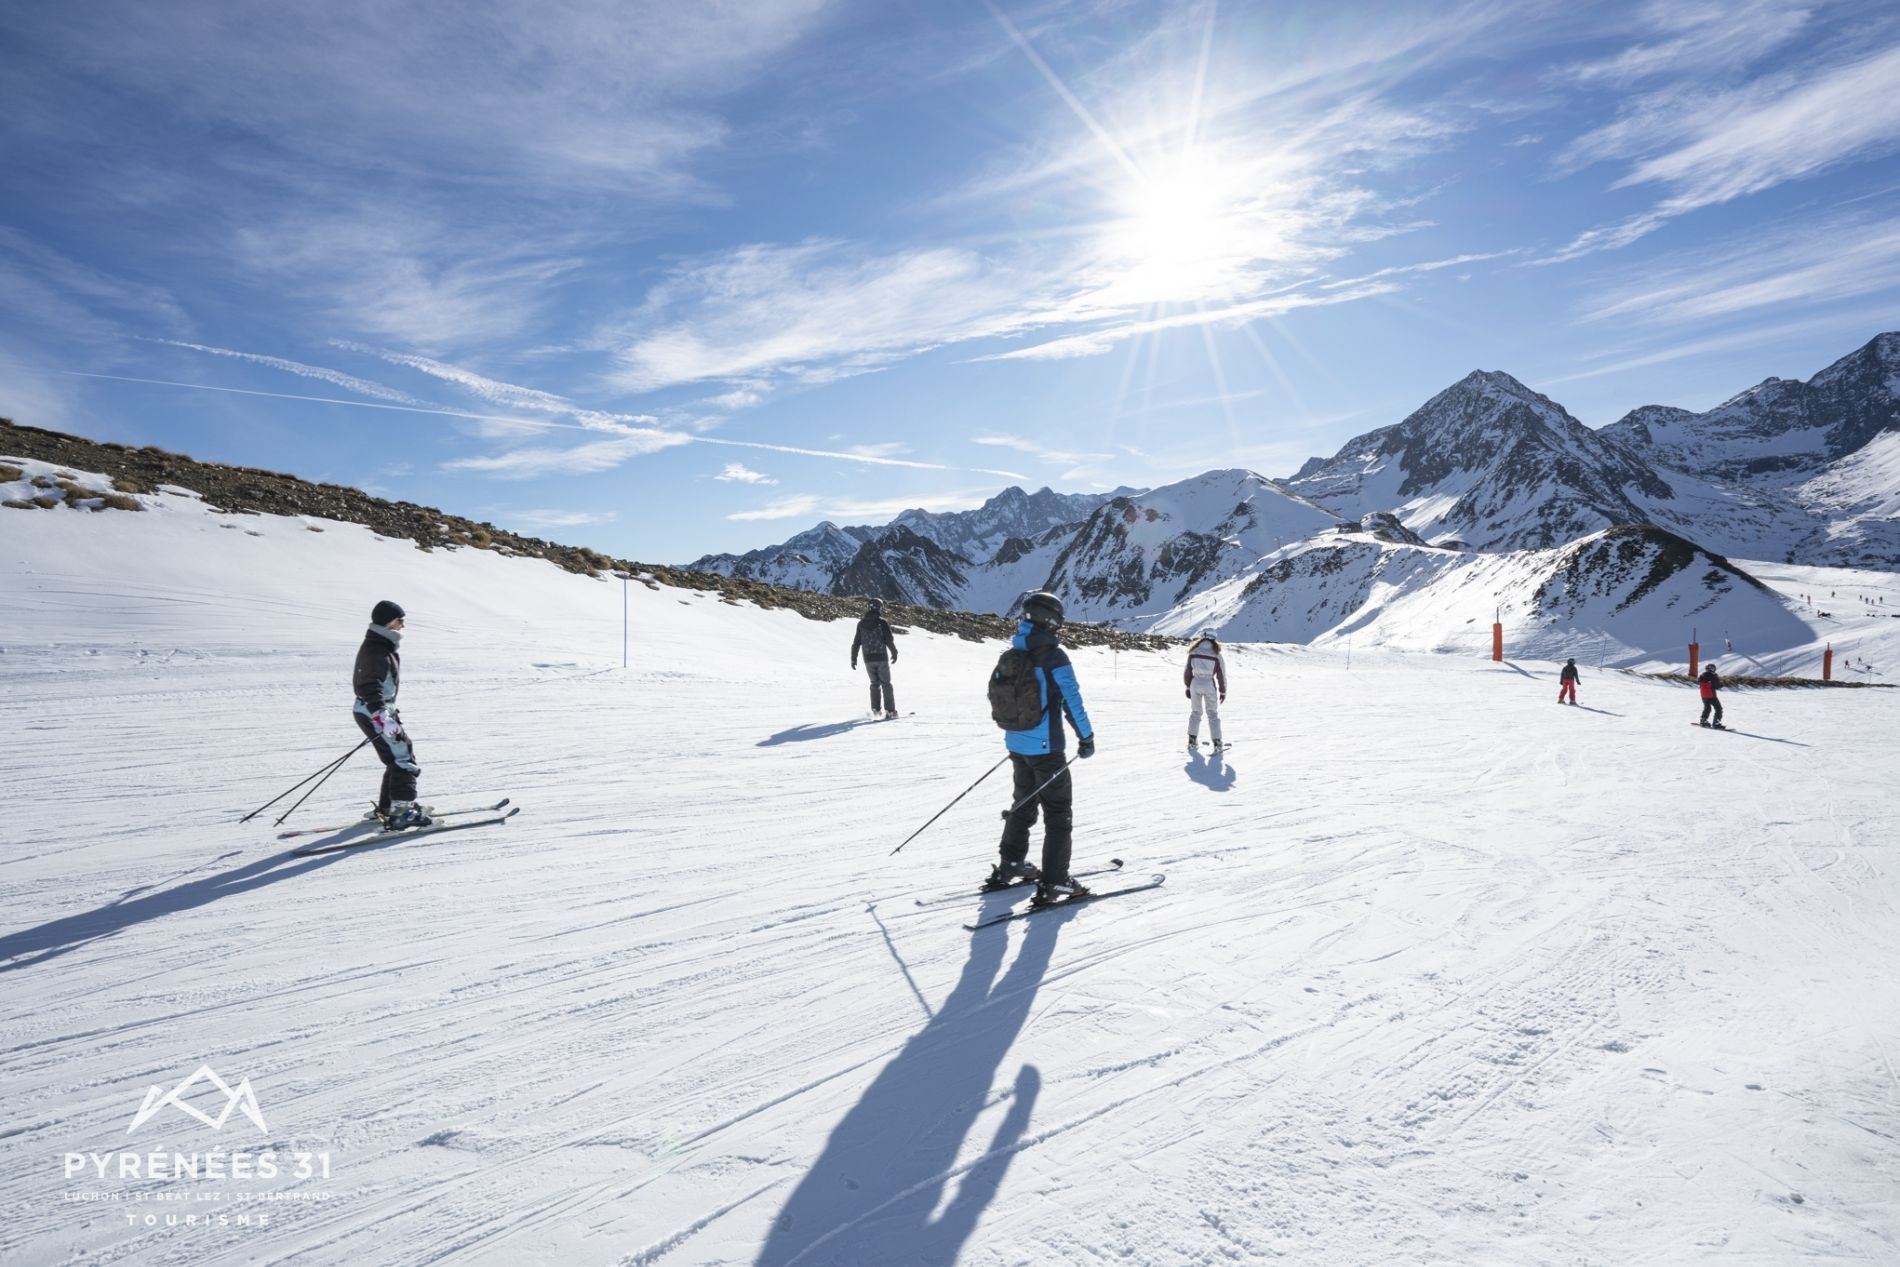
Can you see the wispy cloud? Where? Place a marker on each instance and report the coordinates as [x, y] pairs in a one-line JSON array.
[[1696, 38], [762, 311], [1704, 146], [376, 87], [580, 459], [739, 473], [1814, 262], [1094, 342], [560, 518], [812, 505]]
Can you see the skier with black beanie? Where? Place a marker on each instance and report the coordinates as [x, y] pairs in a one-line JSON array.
[[377, 676]]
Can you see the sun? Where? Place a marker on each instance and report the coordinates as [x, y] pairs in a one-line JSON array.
[[1179, 228]]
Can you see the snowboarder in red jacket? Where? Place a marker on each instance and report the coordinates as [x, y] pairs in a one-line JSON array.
[[1711, 682]]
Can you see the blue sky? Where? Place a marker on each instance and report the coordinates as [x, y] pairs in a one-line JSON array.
[[669, 279]]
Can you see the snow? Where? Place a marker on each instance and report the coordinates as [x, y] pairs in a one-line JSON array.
[[1440, 973]]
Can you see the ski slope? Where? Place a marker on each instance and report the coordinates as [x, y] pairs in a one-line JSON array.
[[1441, 972]]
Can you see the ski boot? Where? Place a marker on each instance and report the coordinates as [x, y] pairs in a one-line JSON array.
[[406, 814], [1005, 874], [1219, 746], [1194, 742], [1051, 892]]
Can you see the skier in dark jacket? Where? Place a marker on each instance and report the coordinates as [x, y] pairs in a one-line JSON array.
[[880, 653], [377, 676], [1036, 761], [1567, 692], [1711, 682]]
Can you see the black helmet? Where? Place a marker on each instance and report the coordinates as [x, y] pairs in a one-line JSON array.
[[1044, 608], [386, 611], [875, 606]]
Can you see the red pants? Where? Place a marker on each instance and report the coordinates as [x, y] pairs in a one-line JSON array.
[[1567, 691]]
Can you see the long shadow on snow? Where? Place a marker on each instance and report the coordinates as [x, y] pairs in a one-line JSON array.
[[1794, 743], [1215, 775], [867, 1200], [56, 937], [1606, 712], [799, 734]]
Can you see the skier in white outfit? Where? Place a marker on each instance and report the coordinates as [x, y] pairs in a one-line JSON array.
[[1206, 680]]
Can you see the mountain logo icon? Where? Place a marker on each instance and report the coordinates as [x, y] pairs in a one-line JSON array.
[[242, 1098]]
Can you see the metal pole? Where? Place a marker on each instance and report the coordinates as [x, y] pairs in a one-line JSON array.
[[324, 771], [960, 795]]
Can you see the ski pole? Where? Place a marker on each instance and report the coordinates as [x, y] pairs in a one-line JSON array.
[[319, 783], [324, 771], [1045, 783], [960, 795]]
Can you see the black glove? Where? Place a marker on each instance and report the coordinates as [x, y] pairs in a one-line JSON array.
[[1187, 694], [1086, 748], [893, 655], [854, 662]]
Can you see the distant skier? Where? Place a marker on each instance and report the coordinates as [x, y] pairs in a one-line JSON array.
[[1711, 682], [880, 653], [1036, 688], [377, 676], [1567, 692], [1205, 677]]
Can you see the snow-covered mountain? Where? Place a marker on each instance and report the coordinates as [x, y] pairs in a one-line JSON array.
[[1010, 515], [1802, 471], [807, 561], [1492, 463], [1149, 553], [903, 566], [892, 561]]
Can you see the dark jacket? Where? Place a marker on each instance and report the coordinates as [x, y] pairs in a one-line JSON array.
[[378, 669], [1060, 693], [1711, 682], [874, 640], [1569, 674]]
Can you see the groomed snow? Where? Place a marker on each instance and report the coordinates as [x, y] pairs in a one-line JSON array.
[[1441, 972]]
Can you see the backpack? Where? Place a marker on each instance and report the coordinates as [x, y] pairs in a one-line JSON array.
[[1015, 694]]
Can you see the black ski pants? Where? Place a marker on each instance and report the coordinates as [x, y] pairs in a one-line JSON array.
[[398, 784], [880, 674], [1714, 703], [1056, 801]]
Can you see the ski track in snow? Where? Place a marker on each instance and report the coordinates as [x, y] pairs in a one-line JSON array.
[[1441, 973]]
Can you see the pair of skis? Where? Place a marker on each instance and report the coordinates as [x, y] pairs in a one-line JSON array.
[[1115, 866], [446, 820]]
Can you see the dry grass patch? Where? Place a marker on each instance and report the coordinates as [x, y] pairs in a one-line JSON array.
[[9, 473]]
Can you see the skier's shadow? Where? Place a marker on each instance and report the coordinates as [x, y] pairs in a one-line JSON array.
[[1606, 712], [868, 1198], [799, 734], [1213, 773], [36, 945]]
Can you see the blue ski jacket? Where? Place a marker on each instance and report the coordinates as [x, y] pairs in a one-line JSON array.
[[1052, 668]]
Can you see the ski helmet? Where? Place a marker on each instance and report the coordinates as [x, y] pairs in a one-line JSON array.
[[875, 606], [1044, 608], [386, 611]]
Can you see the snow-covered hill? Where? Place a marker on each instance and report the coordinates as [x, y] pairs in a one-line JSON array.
[[1441, 972]]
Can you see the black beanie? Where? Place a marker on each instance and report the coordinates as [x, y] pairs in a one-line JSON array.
[[384, 612]]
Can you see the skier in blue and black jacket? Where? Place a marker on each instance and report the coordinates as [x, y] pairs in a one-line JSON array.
[[1036, 760]]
